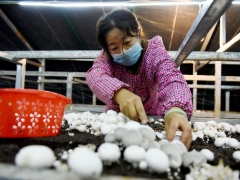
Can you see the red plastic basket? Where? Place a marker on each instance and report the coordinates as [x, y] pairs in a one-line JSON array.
[[31, 113]]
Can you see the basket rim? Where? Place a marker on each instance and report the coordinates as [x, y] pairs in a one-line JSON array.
[[36, 92]]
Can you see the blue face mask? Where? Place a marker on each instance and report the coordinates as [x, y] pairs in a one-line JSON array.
[[130, 56]]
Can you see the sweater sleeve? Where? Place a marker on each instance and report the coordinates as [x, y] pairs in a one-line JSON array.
[[173, 88], [101, 81]]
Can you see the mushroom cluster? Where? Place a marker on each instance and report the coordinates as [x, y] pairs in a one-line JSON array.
[[141, 146]]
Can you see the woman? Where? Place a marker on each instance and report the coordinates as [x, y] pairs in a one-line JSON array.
[[138, 77]]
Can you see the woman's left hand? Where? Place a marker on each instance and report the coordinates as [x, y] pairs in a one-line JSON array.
[[175, 121]]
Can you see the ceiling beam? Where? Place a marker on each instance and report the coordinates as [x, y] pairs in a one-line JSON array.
[[14, 29], [221, 49], [207, 17], [91, 55]]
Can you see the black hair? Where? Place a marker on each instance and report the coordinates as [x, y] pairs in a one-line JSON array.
[[121, 18]]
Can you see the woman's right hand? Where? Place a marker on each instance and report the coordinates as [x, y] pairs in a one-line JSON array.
[[131, 105]]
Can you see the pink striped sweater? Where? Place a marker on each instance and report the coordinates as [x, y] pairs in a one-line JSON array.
[[159, 83]]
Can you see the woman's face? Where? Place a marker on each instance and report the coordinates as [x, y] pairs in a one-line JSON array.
[[118, 42]]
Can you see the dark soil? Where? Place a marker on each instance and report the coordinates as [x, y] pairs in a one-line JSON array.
[[64, 142]]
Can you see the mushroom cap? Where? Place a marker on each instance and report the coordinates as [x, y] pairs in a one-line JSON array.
[[36, 156], [106, 128], [132, 137], [208, 154], [132, 125], [110, 138], [175, 160], [86, 163], [159, 135], [157, 160], [145, 143], [181, 145], [109, 152], [236, 155], [147, 132], [119, 132], [232, 142], [142, 165], [134, 153], [112, 112], [102, 116], [96, 126], [194, 158], [82, 128], [154, 144], [171, 148], [122, 117], [174, 153], [112, 119], [219, 142]]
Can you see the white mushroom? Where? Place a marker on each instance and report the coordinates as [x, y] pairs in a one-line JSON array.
[[181, 146], [194, 137], [236, 156], [112, 119], [112, 112], [147, 132], [174, 153], [199, 134], [132, 137], [110, 137], [233, 143], [119, 132], [73, 125], [96, 126], [143, 165], [35, 156], [105, 128], [237, 128], [134, 154], [145, 143], [221, 134], [154, 144], [102, 116], [109, 153], [219, 142], [122, 117], [193, 158], [159, 135], [163, 141], [157, 160], [208, 154], [86, 163], [132, 125], [81, 128]]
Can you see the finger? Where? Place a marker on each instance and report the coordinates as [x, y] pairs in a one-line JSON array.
[[186, 135], [141, 113], [171, 129], [132, 112], [122, 109]]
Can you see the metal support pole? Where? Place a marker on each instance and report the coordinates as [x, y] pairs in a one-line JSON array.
[[41, 69], [69, 85], [217, 104], [195, 89], [20, 74], [227, 100], [94, 100], [218, 68]]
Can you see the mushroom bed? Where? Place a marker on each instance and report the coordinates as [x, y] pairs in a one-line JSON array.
[[214, 150]]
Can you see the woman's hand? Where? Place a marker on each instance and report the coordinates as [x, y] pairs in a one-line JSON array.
[[131, 105], [175, 121]]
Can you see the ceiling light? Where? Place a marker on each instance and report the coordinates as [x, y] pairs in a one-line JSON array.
[[101, 4]]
